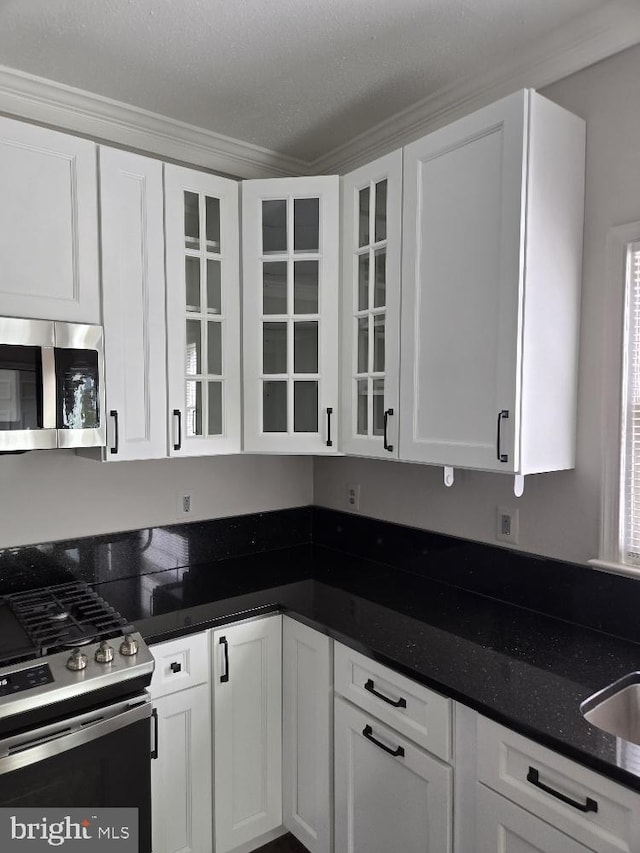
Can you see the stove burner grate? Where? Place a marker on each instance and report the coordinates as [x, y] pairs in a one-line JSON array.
[[64, 615]]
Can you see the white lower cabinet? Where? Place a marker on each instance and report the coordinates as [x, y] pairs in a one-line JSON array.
[[307, 727], [503, 827], [247, 710], [390, 794], [525, 798], [181, 774]]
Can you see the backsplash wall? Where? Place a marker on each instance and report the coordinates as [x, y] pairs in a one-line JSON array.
[[559, 512], [52, 495]]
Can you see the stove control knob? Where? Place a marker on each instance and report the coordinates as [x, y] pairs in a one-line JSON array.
[[129, 646], [104, 653], [77, 661]]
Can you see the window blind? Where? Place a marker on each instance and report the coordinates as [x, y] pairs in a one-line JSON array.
[[630, 444]]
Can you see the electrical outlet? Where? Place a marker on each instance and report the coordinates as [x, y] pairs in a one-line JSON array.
[[507, 525], [353, 497], [185, 503]]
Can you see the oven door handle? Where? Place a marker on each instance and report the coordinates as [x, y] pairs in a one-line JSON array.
[[36, 745]]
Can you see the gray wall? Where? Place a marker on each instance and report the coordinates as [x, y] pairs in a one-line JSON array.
[[48, 495], [560, 512]]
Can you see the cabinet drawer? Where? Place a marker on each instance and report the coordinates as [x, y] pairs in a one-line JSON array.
[[521, 770], [411, 709], [180, 664]]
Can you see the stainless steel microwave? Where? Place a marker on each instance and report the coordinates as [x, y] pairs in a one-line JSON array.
[[51, 385]]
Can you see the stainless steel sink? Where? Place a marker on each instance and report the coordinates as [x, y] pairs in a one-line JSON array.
[[616, 708]]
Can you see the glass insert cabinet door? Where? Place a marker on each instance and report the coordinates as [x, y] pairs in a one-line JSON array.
[[203, 312], [371, 262], [290, 238]]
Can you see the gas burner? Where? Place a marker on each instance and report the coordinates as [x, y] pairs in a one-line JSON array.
[[65, 616]]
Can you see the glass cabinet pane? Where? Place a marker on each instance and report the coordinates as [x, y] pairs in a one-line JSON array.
[[192, 279], [363, 345], [214, 348], [194, 348], [381, 211], [306, 224], [380, 281], [20, 387], [215, 408], [305, 287], [363, 282], [191, 220], [274, 287], [362, 424], [274, 406], [305, 406], [378, 343], [378, 406], [274, 226], [193, 408], [305, 347], [274, 348], [212, 224], [363, 217], [214, 287]]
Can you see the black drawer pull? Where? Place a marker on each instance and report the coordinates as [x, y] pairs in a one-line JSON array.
[[116, 442], [534, 777], [175, 667], [328, 442], [398, 752], [387, 414], [225, 675], [503, 415], [154, 722], [178, 414], [397, 703]]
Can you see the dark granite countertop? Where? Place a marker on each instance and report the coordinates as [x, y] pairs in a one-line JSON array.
[[526, 670]]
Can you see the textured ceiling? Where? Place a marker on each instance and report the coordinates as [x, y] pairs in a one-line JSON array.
[[297, 76]]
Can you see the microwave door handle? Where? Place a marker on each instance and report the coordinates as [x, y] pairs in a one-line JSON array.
[[49, 392]]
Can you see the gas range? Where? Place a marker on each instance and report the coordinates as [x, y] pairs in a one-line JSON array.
[[64, 642]]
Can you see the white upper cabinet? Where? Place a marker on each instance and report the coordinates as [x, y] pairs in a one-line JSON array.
[[131, 204], [371, 263], [493, 214], [290, 249], [48, 225], [203, 313]]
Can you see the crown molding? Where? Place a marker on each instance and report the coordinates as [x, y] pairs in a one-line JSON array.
[[46, 102], [569, 49]]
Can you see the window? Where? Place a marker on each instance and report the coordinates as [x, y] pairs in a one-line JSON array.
[[629, 521], [620, 526]]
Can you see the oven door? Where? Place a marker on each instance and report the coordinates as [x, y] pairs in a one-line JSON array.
[[99, 759]]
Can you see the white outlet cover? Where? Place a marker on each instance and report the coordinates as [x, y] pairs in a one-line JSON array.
[[514, 516], [185, 495], [353, 497]]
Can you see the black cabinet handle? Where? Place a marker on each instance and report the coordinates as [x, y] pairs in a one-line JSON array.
[[503, 415], [175, 667], [114, 414], [397, 703], [534, 777], [154, 718], [398, 752], [329, 413], [225, 675], [387, 414], [178, 414]]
